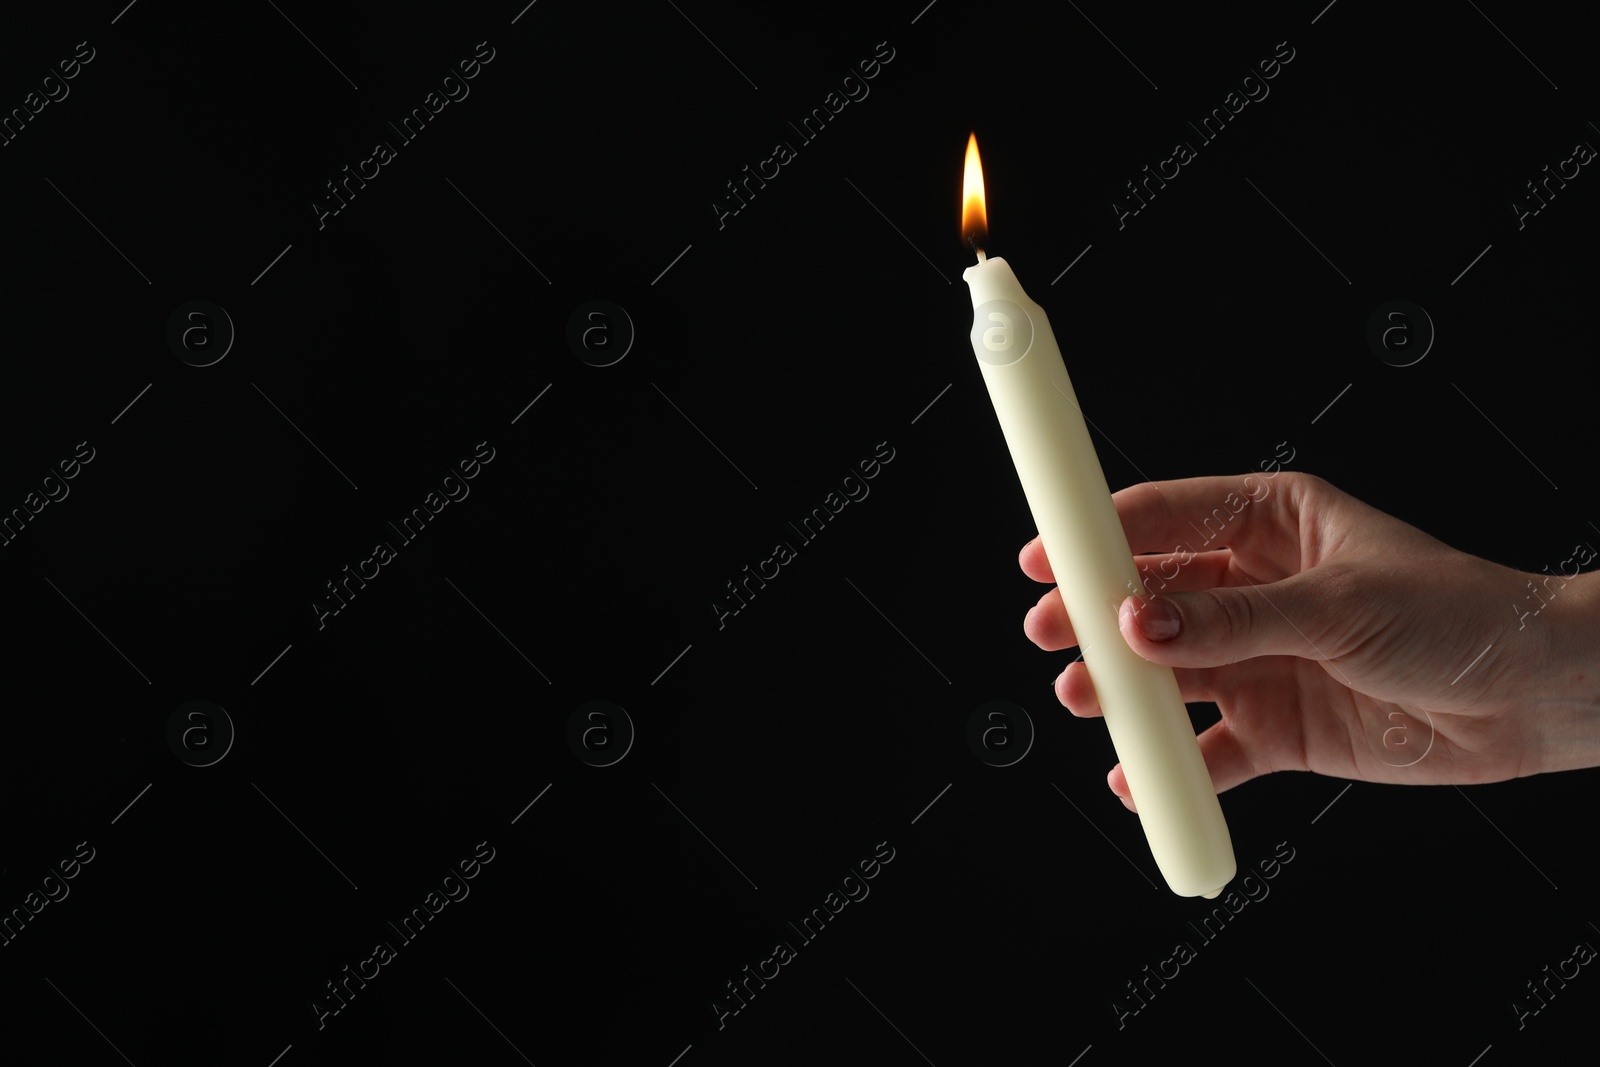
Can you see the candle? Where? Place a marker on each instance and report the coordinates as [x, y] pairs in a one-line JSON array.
[[1093, 565]]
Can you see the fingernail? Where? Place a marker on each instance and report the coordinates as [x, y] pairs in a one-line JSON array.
[[1157, 620], [1029, 617]]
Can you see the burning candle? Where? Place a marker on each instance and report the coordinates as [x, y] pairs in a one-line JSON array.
[[1093, 565]]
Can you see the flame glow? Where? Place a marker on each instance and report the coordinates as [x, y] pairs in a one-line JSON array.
[[974, 216]]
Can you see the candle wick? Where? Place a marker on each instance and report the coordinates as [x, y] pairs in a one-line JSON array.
[[981, 257]]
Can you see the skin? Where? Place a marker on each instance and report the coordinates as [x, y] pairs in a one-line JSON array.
[[1335, 638]]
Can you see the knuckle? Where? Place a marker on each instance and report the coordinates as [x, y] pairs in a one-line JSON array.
[[1307, 492], [1338, 608], [1235, 614]]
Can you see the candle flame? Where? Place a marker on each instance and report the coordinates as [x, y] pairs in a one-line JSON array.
[[974, 216]]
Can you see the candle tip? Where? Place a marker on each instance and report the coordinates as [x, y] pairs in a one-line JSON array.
[[981, 257]]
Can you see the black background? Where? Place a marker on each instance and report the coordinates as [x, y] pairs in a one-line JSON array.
[[774, 351]]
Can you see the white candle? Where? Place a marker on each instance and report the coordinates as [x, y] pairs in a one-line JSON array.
[[1093, 566]]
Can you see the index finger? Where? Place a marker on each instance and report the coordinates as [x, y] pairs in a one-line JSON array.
[[1241, 512], [1201, 514]]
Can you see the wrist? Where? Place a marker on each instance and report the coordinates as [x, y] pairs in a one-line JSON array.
[[1564, 687]]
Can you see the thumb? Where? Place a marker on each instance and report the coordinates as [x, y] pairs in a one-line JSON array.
[[1227, 624]]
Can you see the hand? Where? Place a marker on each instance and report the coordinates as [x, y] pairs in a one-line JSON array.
[[1337, 639]]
